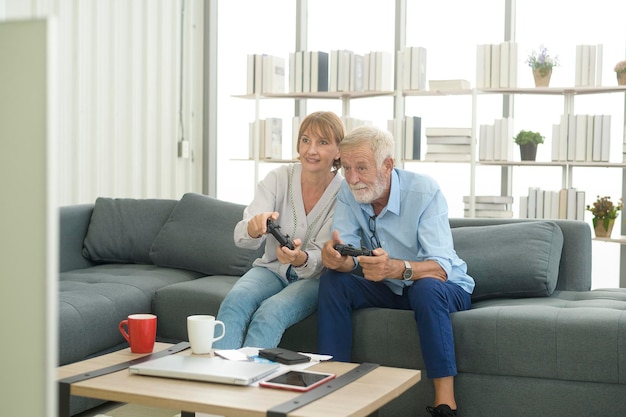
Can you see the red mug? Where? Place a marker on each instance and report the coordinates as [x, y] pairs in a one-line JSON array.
[[139, 330]]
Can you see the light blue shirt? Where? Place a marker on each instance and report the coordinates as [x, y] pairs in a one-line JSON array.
[[413, 226]]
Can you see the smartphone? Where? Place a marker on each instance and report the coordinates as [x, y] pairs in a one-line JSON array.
[[284, 356], [298, 380]]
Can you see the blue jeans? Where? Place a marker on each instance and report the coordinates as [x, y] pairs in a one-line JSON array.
[[261, 306], [431, 300]]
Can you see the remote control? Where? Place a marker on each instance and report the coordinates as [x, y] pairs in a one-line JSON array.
[[274, 229], [350, 250]]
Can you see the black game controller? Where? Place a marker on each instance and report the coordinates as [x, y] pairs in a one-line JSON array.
[[350, 250], [274, 229]]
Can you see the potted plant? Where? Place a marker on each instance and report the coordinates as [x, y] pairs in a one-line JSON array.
[[541, 63], [528, 141], [620, 71], [604, 215]]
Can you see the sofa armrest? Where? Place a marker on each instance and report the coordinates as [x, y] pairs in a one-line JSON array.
[[74, 221]]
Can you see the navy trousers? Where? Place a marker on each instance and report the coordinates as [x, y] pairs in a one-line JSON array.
[[431, 300]]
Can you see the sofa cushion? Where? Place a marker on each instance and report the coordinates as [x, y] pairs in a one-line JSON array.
[[511, 260], [199, 236], [121, 230]]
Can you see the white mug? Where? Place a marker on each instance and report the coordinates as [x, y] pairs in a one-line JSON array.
[[201, 333]]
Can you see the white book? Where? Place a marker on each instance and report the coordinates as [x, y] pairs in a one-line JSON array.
[[333, 70], [571, 204], [606, 138], [539, 204], [453, 140], [418, 68], [596, 153], [408, 137], [273, 74], [599, 59], [532, 202], [356, 72], [372, 71], [547, 204], [504, 64], [490, 214], [487, 66], [589, 138], [581, 137], [448, 148], [578, 77], [554, 195], [273, 138], [497, 140], [404, 56], [556, 138], [496, 199], [487, 206], [258, 73], [299, 76], [366, 71], [448, 131], [584, 72], [345, 59], [571, 137], [448, 85], [292, 72], [306, 71], [563, 138], [482, 142], [250, 74], [580, 205], [495, 66], [523, 207], [591, 77], [384, 71], [490, 143], [447, 157]]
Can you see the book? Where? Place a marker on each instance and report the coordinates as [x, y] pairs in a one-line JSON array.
[[452, 140], [306, 72], [446, 85], [505, 50], [418, 68], [273, 78], [447, 157], [596, 153], [384, 71], [412, 137], [490, 214], [581, 137], [487, 206], [319, 71], [299, 75], [495, 66], [448, 148], [494, 199], [273, 138], [605, 150], [356, 72], [448, 131]]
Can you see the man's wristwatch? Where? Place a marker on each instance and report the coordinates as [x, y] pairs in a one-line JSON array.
[[408, 272]]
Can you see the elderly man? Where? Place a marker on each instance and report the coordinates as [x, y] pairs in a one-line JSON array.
[[403, 218]]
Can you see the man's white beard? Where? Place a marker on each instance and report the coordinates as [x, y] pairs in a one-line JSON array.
[[368, 194]]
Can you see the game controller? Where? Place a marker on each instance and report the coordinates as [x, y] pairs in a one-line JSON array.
[[350, 250], [274, 229]]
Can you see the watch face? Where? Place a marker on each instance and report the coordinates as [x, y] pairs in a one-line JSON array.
[[408, 272]]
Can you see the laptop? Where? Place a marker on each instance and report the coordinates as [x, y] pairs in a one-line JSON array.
[[198, 368]]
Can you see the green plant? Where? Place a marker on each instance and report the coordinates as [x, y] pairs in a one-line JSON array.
[[620, 66], [542, 61], [526, 136], [603, 209]]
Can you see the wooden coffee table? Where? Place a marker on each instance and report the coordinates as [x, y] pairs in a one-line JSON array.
[[361, 397]]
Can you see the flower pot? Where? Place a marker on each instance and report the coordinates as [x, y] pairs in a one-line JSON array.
[[621, 78], [528, 151], [542, 77], [603, 228]]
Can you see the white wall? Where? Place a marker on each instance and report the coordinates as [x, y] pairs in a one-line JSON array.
[[119, 65]]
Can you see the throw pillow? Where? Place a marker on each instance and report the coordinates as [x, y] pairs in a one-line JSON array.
[[198, 236], [511, 260], [123, 229]]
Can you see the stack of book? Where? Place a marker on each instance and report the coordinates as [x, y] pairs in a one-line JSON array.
[[348, 71], [448, 85], [308, 72], [495, 141], [266, 74], [447, 144], [567, 203], [413, 68], [588, 66], [489, 206], [582, 137], [270, 134], [496, 65]]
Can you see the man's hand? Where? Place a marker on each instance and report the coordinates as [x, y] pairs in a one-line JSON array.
[[377, 267], [333, 259]]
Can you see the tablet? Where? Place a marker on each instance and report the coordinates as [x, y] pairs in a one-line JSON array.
[[297, 380]]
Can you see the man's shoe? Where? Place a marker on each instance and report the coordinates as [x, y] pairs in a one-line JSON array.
[[442, 410]]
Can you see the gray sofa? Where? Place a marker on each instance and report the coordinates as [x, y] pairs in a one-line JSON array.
[[537, 341]]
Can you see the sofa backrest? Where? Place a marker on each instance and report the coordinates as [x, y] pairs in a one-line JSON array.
[[574, 271]]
